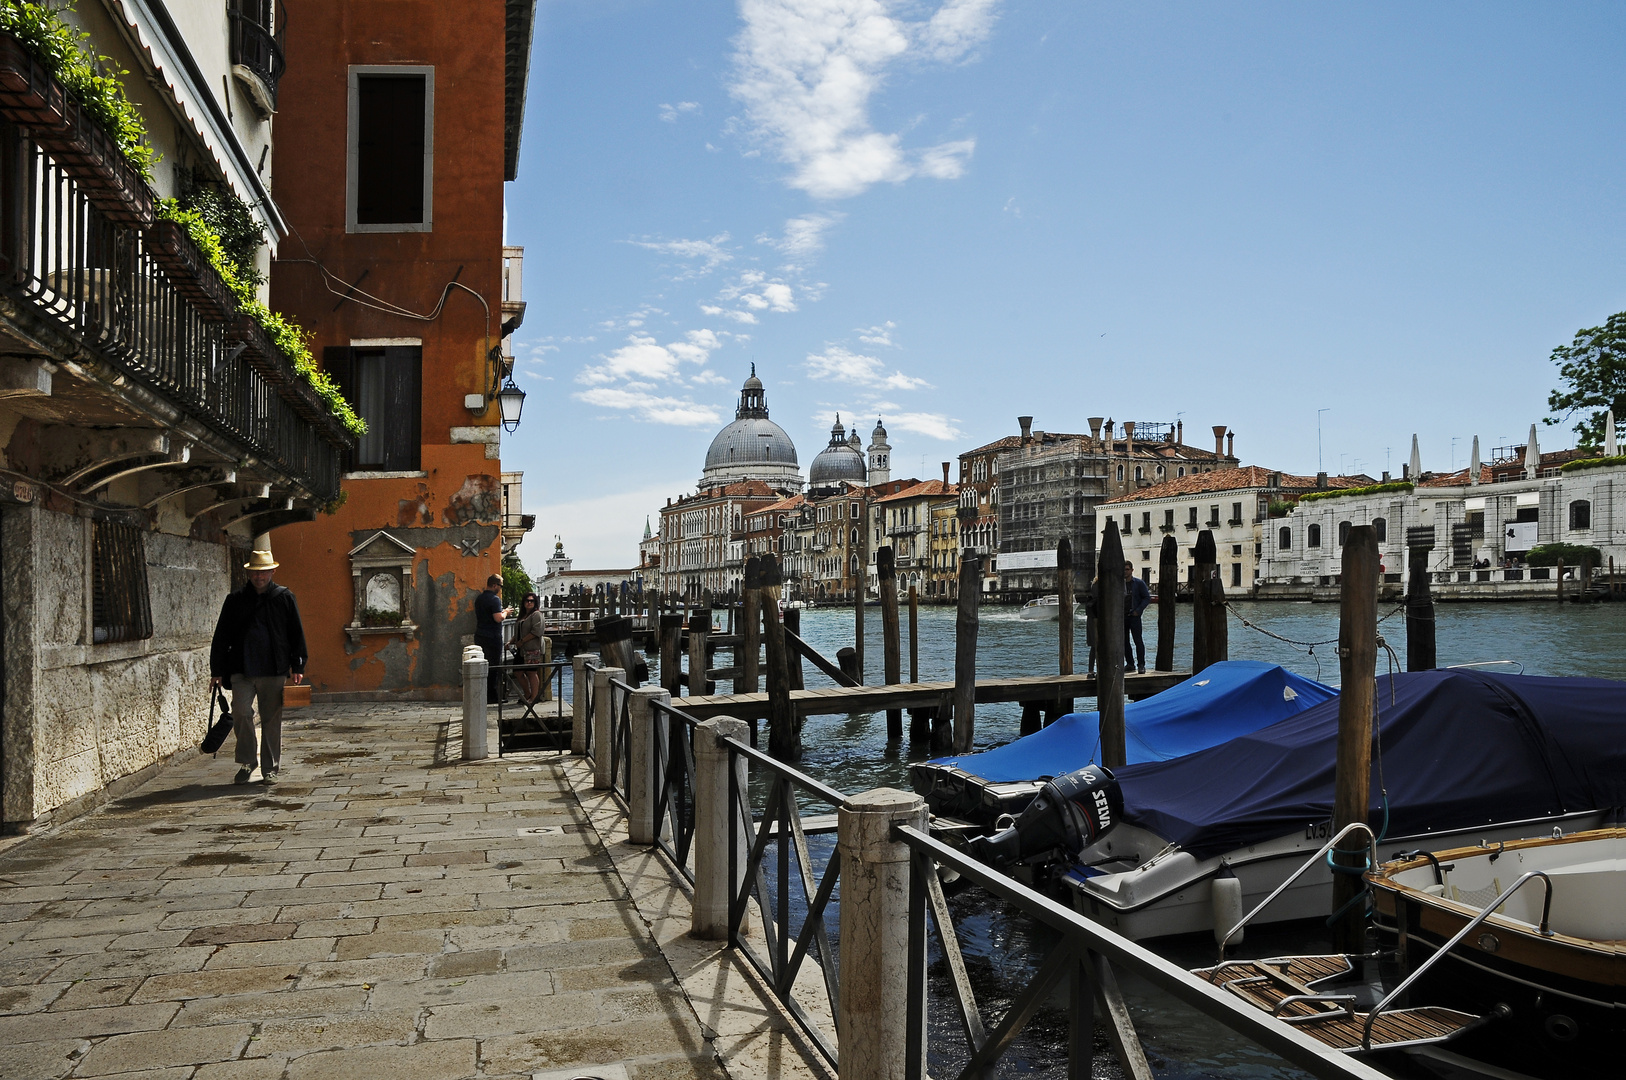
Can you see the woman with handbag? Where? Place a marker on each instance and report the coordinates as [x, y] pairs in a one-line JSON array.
[[534, 648]]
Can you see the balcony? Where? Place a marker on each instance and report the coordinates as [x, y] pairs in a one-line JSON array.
[[132, 356], [256, 50]]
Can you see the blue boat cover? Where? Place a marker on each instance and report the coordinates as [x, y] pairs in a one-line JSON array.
[[1219, 703], [1455, 749]]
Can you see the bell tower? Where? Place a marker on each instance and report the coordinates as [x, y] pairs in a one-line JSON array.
[[880, 457]]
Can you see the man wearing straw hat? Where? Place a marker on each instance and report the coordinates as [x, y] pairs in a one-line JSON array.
[[258, 641]]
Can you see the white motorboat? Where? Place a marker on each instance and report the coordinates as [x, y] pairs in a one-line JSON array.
[[1045, 608], [1462, 756]]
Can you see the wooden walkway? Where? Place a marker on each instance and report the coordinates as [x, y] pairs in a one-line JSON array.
[[924, 695]]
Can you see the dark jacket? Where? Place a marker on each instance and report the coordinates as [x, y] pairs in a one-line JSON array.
[[287, 632], [1137, 597]]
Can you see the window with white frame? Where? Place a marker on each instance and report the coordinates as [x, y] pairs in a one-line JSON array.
[[390, 178]]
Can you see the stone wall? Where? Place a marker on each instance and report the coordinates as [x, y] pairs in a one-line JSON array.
[[78, 716]]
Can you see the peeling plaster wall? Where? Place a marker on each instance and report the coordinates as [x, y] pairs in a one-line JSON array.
[[79, 716]]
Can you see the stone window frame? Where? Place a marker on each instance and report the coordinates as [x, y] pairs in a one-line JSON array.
[[363, 567]]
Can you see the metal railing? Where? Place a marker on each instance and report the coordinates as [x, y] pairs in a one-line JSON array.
[[588, 695], [621, 740], [1371, 862], [67, 265], [673, 740], [552, 727], [1544, 929], [780, 824], [1085, 955], [255, 45]]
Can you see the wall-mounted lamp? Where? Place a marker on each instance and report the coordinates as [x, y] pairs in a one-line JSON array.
[[510, 400]]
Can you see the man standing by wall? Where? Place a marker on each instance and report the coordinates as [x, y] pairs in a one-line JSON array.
[[258, 640], [1137, 597], [488, 617]]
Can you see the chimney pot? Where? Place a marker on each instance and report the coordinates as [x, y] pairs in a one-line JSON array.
[[1180, 431], [1027, 427], [1095, 428], [1219, 440], [945, 474], [1230, 444], [1108, 429], [1320, 480]]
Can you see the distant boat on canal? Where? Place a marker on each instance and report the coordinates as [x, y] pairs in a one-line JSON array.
[[1044, 609]]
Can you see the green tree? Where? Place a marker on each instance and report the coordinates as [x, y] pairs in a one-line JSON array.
[[515, 581], [1593, 368]]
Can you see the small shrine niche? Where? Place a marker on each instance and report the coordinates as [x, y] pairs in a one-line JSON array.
[[381, 574]]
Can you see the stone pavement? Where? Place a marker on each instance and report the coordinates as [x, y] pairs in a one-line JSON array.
[[385, 910]]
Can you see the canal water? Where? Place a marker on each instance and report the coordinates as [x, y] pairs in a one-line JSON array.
[[1002, 948]]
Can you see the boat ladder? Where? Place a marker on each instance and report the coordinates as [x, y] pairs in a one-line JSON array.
[[1286, 988]]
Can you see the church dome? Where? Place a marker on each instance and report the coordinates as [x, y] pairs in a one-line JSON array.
[[838, 461], [753, 447]]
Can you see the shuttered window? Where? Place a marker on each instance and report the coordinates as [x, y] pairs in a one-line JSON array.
[[385, 386], [121, 609]]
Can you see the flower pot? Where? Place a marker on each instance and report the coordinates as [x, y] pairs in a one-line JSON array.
[[189, 270]]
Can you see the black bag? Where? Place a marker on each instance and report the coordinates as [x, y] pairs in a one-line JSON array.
[[218, 729]]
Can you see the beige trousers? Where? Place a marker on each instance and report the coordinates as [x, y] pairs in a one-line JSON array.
[[268, 691]]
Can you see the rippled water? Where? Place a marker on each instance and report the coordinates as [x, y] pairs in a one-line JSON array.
[[1002, 947]]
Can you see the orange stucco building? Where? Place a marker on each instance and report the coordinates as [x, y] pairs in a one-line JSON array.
[[398, 122]]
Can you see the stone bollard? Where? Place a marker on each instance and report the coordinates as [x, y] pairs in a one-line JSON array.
[[712, 820], [578, 701], [603, 718], [475, 670], [873, 1018], [642, 743]]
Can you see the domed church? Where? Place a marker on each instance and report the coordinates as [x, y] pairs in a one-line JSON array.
[[842, 460], [753, 447]]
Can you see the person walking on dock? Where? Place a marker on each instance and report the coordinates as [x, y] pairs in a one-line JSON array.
[[534, 647], [259, 640], [488, 616], [1137, 598]]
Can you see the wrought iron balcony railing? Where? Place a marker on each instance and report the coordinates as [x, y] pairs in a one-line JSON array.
[[257, 47], [100, 286]]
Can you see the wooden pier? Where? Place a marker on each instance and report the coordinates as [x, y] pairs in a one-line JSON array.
[[1044, 689]]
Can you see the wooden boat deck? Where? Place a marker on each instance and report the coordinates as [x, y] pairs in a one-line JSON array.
[[923, 695], [1279, 986]]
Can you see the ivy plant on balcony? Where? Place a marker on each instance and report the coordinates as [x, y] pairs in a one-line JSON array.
[[91, 79], [283, 332]]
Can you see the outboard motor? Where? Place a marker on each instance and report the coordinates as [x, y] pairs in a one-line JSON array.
[[1071, 812]]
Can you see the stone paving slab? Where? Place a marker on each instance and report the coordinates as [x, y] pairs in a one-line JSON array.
[[377, 913]]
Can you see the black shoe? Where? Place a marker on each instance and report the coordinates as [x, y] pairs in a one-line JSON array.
[[242, 775]]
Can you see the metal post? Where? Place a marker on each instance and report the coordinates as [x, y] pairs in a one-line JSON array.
[[875, 880], [713, 820], [603, 719], [579, 693], [642, 778], [475, 671]]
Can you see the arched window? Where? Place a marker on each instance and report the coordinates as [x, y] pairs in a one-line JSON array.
[[1343, 533], [855, 538], [1181, 471], [1160, 470], [1284, 539], [1381, 527], [1140, 473], [1581, 514], [1312, 536]]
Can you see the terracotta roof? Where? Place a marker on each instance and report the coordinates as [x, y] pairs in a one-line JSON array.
[[783, 504], [924, 489], [1458, 478], [997, 444], [1250, 476]]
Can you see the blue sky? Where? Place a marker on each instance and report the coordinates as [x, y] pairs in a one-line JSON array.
[[951, 212]]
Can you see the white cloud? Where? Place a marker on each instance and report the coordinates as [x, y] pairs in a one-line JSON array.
[[958, 27], [878, 335], [652, 408], [805, 70], [669, 113], [931, 425], [804, 236], [840, 364], [643, 358], [701, 256], [726, 313]]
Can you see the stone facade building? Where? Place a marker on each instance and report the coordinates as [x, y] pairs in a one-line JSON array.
[[907, 519], [1049, 486], [1236, 505], [149, 429]]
